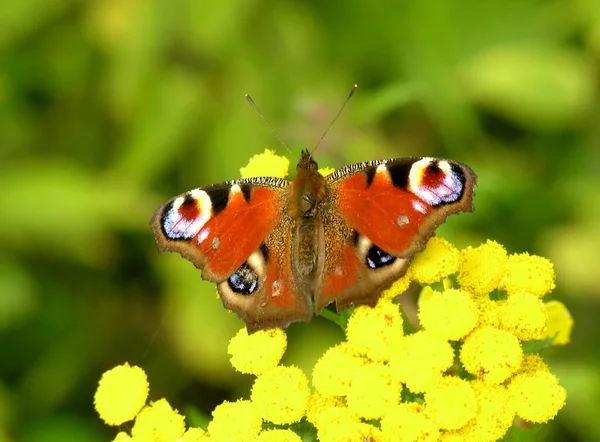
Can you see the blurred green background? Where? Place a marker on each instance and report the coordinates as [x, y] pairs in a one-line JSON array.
[[108, 108]]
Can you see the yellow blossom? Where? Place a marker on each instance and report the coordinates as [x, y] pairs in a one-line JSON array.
[[524, 315], [122, 437], [532, 363], [408, 422], [258, 352], [373, 391], [399, 286], [451, 404], [420, 360], [491, 354], [334, 371], [559, 324], [481, 268], [266, 164], [195, 435], [326, 170], [529, 273], [490, 312], [121, 394], [339, 424], [158, 422], [281, 394], [495, 414], [318, 403], [438, 260], [278, 435], [239, 421], [536, 397], [450, 315], [375, 331]]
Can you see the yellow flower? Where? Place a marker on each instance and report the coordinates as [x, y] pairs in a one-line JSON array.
[[559, 324], [451, 404], [334, 371], [239, 421], [420, 360], [318, 403], [266, 164], [482, 268], [524, 315], [489, 311], [529, 273], [121, 394], [375, 331], [339, 424], [281, 394], [438, 260], [537, 396], [326, 170], [532, 363], [277, 435], [450, 315], [408, 422], [373, 391], [494, 417], [122, 437], [158, 422], [491, 354], [195, 435], [258, 352], [399, 286]]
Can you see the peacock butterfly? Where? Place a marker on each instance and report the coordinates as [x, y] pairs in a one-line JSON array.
[[279, 250]]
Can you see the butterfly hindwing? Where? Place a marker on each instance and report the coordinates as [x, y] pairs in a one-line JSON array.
[[380, 214], [239, 235]]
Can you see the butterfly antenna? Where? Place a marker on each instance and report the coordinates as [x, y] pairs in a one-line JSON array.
[[336, 116], [253, 104]]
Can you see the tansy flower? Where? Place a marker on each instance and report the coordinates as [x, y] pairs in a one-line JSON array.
[[529, 273], [258, 352], [524, 315], [375, 331], [491, 354], [373, 391], [450, 315], [482, 268], [399, 286], [195, 435], [277, 435], [240, 421], [281, 394], [537, 396], [451, 404], [559, 323], [318, 403], [335, 370], [158, 422], [438, 260], [408, 422], [337, 424], [121, 394], [266, 164]]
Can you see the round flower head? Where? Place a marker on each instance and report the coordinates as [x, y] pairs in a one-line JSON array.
[[451, 404], [340, 424], [281, 394], [334, 371], [438, 260], [277, 435], [482, 268], [258, 352], [238, 421], [121, 394], [537, 396], [533, 363], [375, 331], [266, 164], [491, 354], [195, 435], [420, 360], [407, 421], [158, 422], [326, 170], [529, 273], [373, 391], [490, 312], [523, 314], [398, 287], [450, 315], [318, 403], [559, 324], [122, 437]]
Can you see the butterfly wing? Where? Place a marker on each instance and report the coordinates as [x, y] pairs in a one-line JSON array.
[[239, 234], [380, 213]]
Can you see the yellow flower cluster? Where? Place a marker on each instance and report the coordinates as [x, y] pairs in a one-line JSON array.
[[463, 376]]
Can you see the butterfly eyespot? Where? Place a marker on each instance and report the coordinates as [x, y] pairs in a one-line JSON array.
[[402, 220], [377, 258], [216, 243], [244, 281]]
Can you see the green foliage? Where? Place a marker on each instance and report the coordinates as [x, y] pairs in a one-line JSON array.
[[108, 108]]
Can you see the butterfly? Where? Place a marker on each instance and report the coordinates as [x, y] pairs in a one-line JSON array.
[[280, 251]]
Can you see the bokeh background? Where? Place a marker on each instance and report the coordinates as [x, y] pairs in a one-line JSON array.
[[110, 107]]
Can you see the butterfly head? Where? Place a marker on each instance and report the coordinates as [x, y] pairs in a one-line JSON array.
[[307, 163]]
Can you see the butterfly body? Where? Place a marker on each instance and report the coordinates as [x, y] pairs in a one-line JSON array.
[[279, 250]]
